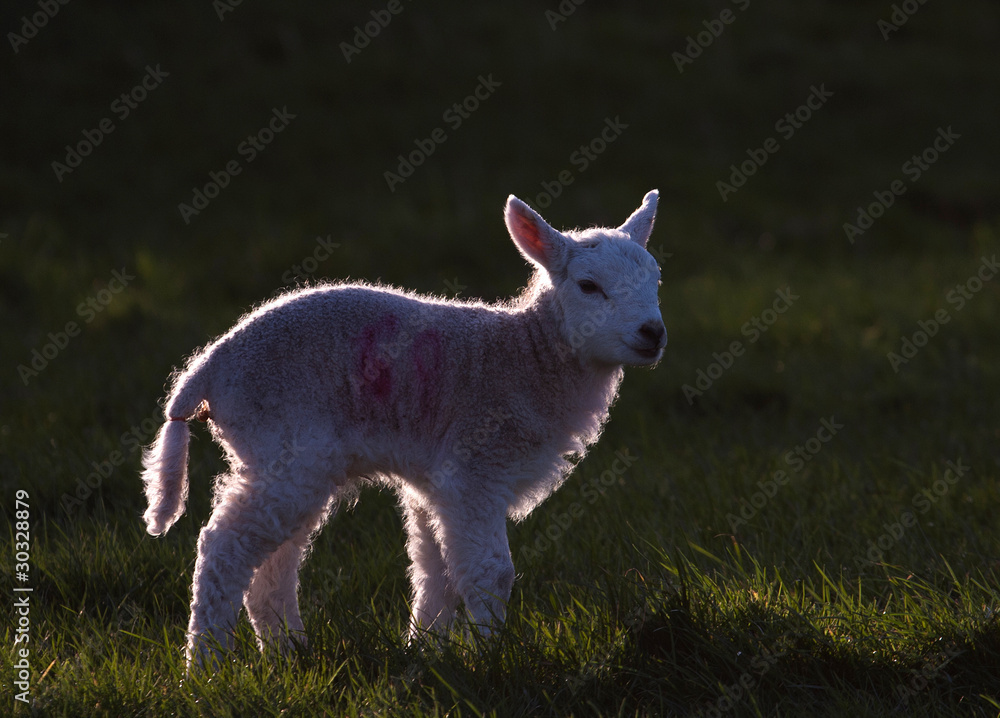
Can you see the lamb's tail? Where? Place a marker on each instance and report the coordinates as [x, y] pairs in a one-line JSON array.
[[165, 461]]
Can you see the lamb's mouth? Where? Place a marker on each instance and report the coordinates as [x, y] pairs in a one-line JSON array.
[[648, 353]]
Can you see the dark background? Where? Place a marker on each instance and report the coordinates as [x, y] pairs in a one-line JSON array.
[[325, 174], [441, 230]]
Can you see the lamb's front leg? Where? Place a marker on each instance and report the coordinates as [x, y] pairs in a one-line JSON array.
[[434, 599], [473, 535]]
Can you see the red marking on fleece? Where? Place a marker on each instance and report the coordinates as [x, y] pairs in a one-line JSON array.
[[428, 357], [376, 351]]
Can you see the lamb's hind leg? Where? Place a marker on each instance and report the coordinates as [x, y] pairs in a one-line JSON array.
[[272, 599], [251, 520]]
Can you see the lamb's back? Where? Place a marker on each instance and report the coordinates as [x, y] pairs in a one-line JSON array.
[[352, 354]]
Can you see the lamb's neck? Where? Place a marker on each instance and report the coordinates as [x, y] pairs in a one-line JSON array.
[[576, 394]]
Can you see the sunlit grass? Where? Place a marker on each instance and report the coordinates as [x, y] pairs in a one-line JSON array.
[[650, 600]]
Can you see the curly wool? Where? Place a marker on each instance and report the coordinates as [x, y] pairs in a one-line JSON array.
[[471, 412]]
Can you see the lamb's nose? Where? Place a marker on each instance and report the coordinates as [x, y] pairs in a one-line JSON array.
[[654, 332]]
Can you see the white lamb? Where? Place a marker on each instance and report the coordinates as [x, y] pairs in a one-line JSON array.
[[468, 411]]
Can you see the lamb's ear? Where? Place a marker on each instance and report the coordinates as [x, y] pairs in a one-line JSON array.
[[536, 240], [640, 225]]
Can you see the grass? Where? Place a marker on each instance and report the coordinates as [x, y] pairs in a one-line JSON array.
[[646, 600], [861, 581]]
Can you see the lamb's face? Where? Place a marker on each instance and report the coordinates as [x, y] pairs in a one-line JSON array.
[[608, 296], [605, 283]]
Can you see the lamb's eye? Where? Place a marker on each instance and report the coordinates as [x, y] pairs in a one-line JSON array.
[[589, 287]]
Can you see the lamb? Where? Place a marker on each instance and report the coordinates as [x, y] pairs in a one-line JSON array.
[[470, 412]]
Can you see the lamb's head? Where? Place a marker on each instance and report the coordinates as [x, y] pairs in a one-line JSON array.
[[604, 283]]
